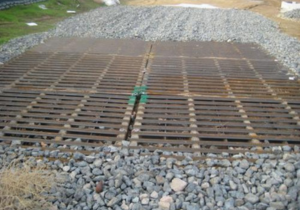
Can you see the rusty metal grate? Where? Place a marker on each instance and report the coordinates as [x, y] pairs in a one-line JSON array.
[[121, 47], [209, 49], [59, 117], [189, 97], [219, 78], [73, 72], [200, 123]]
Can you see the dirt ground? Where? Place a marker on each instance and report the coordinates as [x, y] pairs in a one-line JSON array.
[[268, 8]]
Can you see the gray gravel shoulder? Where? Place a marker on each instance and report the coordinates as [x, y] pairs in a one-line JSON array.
[[19, 45], [168, 23], [132, 181]]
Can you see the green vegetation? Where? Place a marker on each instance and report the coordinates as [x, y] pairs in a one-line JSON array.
[[13, 20]]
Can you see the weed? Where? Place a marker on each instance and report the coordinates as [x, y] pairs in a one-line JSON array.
[[25, 187]]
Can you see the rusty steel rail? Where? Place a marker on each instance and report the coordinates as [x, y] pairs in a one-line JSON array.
[[204, 97]]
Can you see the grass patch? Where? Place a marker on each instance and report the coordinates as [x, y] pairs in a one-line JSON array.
[[13, 20]]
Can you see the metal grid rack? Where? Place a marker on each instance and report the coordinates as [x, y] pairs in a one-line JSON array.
[[192, 97]]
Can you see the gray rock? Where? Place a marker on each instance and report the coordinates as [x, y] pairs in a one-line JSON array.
[[282, 189], [205, 185], [170, 176], [220, 203], [97, 171], [239, 202], [135, 200], [78, 156], [143, 177], [277, 205], [286, 148], [82, 164], [160, 180], [225, 163], [215, 180], [178, 184], [154, 195], [243, 208], [277, 150], [233, 186], [66, 168], [262, 206], [98, 163], [293, 192], [145, 201], [89, 159], [192, 207], [110, 194], [16, 143], [136, 206], [229, 203], [244, 164], [155, 159], [124, 152], [190, 187], [114, 201], [289, 167], [85, 170], [210, 162], [210, 192], [251, 198], [69, 192], [125, 143], [276, 177], [118, 182]]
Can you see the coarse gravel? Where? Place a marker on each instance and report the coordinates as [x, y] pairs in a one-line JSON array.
[[19, 45], [171, 23], [293, 14], [133, 181]]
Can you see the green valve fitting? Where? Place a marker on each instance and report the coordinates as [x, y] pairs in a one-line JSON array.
[[139, 90], [136, 91], [144, 99], [132, 100], [143, 89]]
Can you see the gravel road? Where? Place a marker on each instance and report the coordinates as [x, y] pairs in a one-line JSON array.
[[168, 23]]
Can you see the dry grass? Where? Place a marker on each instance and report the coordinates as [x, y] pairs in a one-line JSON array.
[[24, 187]]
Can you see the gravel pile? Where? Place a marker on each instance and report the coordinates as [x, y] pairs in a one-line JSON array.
[[294, 14], [178, 24], [129, 180]]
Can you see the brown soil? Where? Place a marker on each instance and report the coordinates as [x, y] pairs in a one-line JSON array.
[[268, 8]]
